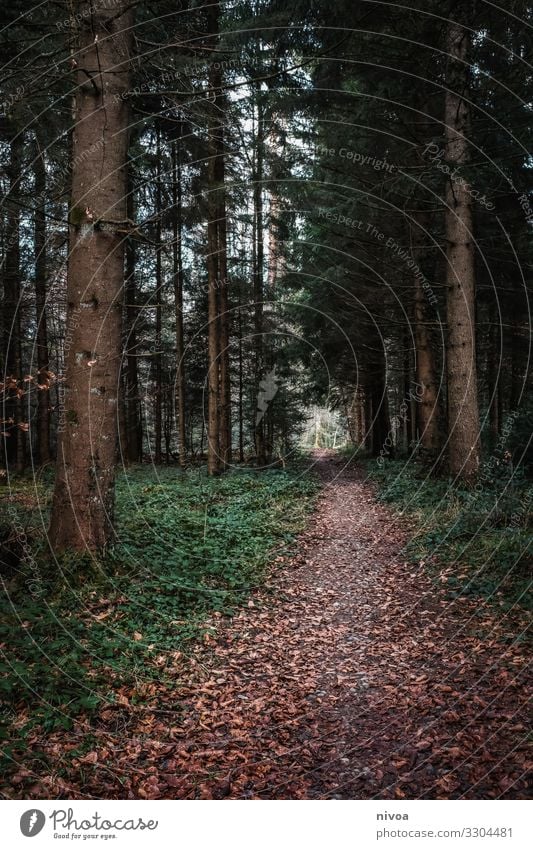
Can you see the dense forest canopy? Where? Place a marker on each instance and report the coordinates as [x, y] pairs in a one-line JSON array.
[[252, 217]]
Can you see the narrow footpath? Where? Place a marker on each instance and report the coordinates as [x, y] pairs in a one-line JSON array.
[[353, 675]]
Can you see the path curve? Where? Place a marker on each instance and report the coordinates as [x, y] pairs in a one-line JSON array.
[[351, 675], [358, 678]]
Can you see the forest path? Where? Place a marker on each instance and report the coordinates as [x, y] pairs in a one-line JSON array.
[[351, 675], [360, 680]]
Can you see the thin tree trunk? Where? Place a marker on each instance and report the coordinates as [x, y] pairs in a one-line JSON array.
[[133, 412], [463, 416], [82, 511], [225, 384], [13, 411], [406, 419], [177, 261], [167, 429], [427, 392], [213, 327], [122, 453], [259, 424], [219, 413], [158, 311], [218, 238], [241, 391], [381, 422], [359, 418], [369, 419], [351, 417], [517, 312], [43, 396], [493, 376]]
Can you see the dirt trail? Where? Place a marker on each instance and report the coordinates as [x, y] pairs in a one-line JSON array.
[[352, 676], [359, 679]]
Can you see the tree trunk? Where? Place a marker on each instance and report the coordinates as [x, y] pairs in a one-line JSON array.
[[177, 261], [218, 313], [158, 312], [13, 410], [359, 417], [82, 512], [494, 364], [225, 385], [133, 412], [43, 396], [370, 438], [520, 342], [427, 393], [463, 416], [381, 422], [241, 389], [259, 424], [406, 404], [213, 323]]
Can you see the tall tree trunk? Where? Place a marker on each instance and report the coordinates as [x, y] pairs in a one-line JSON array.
[[406, 418], [217, 239], [519, 343], [380, 410], [258, 256], [225, 384], [43, 396], [241, 386], [177, 261], [370, 437], [493, 374], [213, 324], [122, 452], [427, 394], [219, 392], [213, 345], [357, 433], [133, 411], [463, 416], [82, 511], [158, 372], [13, 411]]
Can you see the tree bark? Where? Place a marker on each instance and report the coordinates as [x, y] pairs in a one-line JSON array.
[[43, 396], [406, 417], [219, 389], [259, 423], [177, 261], [241, 383], [133, 411], [463, 416], [213, 348], [427, 410], [494, 364], [13, 411], [219, 262], [381, 427], [158, 423], [225, 385], [213, 324], [82, 511]]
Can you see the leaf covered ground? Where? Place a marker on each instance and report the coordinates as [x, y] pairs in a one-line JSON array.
[[351, 672]]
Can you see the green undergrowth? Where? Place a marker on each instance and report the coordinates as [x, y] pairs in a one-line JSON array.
[[478, 540], [75, 632]]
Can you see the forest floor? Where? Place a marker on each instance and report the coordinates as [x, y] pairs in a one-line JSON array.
[[352, 674]]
